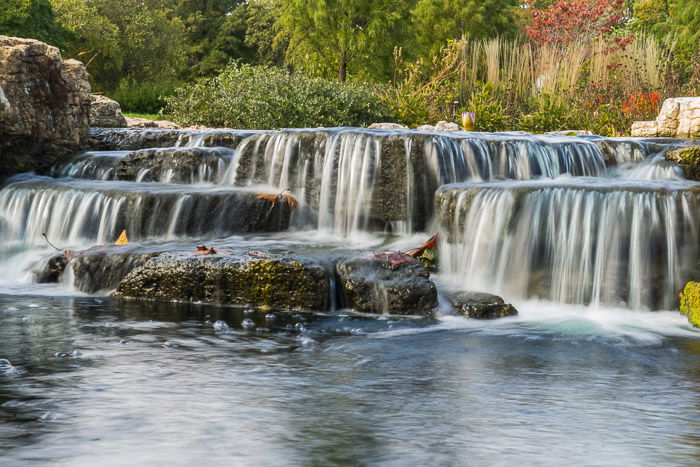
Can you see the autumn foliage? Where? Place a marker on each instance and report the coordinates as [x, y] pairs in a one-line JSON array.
[[568, 21]]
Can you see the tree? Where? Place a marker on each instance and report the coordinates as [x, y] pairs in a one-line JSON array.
[[330, 36], [32, 19], [573, 20], [437, 21]]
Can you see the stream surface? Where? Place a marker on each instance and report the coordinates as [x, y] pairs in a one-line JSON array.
[[97, 381]]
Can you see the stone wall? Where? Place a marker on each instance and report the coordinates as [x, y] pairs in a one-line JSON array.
[[44, 106], [679, 117]]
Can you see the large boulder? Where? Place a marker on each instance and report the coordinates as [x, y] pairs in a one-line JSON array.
[[105, 113], [374, 285], [268, 280], [679, 117], [44, 106], [689, 299], [479, 305]]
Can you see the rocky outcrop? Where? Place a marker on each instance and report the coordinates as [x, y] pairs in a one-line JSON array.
[[105, 113], [267, 280], [679, 117], [133, 139], [177, 165], [441, 126], [137, 122], [103, 271], [44, 106], [688, 159], [387, 126], [479, 305], [373, 285], [689, 300]]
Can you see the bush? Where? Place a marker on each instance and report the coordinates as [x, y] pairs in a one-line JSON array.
[[549, 114], [490, 114], [144, 98], [262, 97]]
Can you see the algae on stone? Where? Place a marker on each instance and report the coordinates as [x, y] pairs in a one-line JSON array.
[[689, 299]]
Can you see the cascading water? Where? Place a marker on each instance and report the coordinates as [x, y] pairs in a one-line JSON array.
[[353, 181], [584, 240]]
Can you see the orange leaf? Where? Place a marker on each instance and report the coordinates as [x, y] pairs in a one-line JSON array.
[[203, 250], [291, 200], [122, 240], [273, 198], [269, 197]]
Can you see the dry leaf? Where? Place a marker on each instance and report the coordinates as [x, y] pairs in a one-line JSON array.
[[430, 244], [273, 198], [122, 240], [203, 250]]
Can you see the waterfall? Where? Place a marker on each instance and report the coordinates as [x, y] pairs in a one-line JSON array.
[[363, 179], [78, 212], [587, 241]]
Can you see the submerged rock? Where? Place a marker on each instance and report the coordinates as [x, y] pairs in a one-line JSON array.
[[44, 106], [105, 113], [688, 159], [278, 281], [371, 285], [689, 299], [479, 305]]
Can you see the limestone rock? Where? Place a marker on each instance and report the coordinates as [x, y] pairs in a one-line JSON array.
[[688, 159], [570, 133], [679, 117], [278, 281], [479, 305], [180, 165], [105, 113], [689, 299], [426, 128], [370, 285], [447, 126], [138, 122], [387, 126], [44, 105]]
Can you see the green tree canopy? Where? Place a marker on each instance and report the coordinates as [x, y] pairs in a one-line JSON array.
[[329, 37], [437, 21], [30, 18]]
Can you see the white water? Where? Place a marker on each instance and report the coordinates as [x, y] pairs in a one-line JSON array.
[[575, 241]]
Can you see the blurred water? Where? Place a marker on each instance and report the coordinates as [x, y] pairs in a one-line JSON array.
[[90, 381]]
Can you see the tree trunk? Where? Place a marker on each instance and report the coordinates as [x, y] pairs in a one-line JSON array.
[[343, 68]]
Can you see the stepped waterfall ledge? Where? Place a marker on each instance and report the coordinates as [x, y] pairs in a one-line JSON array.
[[586, 241]]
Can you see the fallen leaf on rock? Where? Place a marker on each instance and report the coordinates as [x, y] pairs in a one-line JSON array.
[[122, 240], [395, 258], [273, 198], [203, 250], [430, 244]]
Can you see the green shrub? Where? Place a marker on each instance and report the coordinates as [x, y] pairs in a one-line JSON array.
[[490, 114], [262, 97], [145, 98], [548, 113]]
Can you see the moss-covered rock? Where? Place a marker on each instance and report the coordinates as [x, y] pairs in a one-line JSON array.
[[478, 305], [276, 281], [372, 285], [688, 159], [689, 299]]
